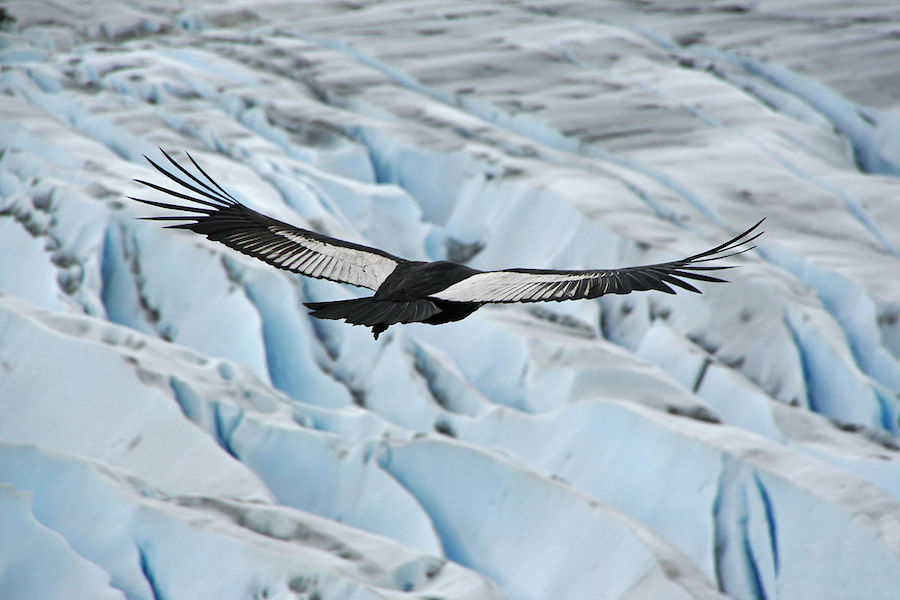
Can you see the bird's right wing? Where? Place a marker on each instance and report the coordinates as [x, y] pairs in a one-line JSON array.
[[221, 218], [537, 285]]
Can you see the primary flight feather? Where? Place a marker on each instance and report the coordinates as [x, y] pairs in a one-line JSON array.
[[406, 291]]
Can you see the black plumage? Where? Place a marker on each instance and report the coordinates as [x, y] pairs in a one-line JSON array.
[[407, 291]]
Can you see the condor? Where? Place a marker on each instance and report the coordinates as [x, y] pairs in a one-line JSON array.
[[407, 291]]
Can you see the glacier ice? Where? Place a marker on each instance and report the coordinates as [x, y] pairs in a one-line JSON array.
[[173, 424]]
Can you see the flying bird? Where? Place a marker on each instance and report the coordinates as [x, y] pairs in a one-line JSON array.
[[406, 291]]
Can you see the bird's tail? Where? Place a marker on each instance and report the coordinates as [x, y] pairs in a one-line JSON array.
[[375, 313]]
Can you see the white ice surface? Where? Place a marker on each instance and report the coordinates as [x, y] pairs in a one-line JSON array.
[[174, 425]]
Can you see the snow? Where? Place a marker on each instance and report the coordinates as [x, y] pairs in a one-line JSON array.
[[174, 425]]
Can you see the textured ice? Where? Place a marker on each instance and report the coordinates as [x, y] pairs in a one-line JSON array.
[[174, 425], [36, 547]]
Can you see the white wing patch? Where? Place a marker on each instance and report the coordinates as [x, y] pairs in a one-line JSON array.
[[315, 258], [512, 286]]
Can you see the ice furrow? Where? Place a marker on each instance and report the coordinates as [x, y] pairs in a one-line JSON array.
[[853, 205], [520, 125], [147, 571]]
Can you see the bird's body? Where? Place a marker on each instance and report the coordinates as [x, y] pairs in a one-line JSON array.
[[408, 291], [404, 297]]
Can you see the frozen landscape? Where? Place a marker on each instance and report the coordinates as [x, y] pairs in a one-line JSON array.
[[174, 426]]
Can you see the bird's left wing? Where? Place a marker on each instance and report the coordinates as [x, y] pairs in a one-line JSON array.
[[535, 285], [221, 218]]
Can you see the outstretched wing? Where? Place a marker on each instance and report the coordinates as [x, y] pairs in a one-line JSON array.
[[221, 218], [534, 285]]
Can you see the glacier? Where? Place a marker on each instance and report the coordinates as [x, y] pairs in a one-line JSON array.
[[173, 424]]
